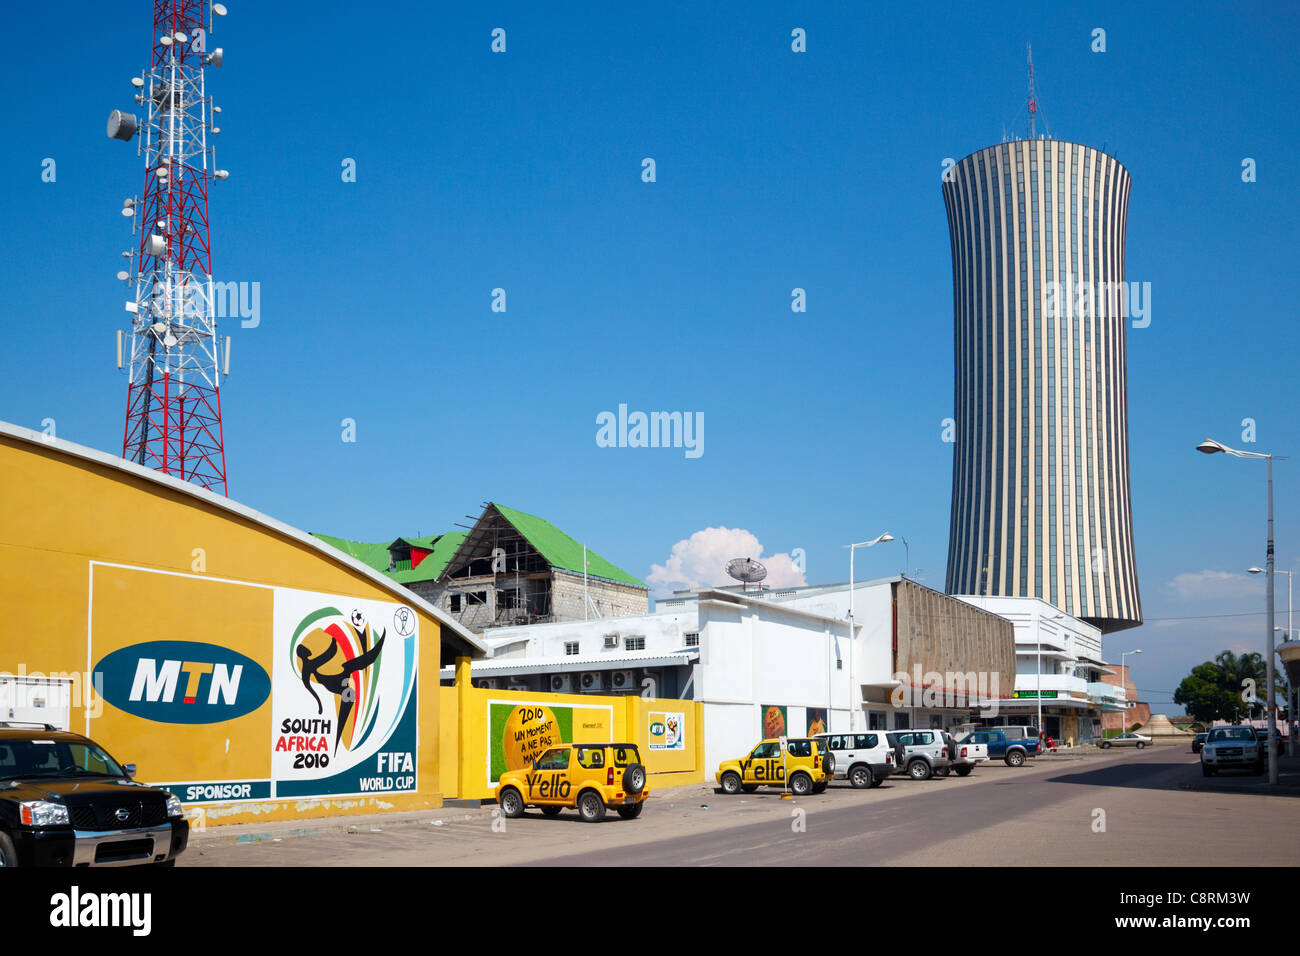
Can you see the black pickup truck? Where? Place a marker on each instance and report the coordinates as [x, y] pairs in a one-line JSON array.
[[65, 802]]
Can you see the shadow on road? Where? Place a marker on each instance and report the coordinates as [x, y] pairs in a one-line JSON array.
[[1155, 775]]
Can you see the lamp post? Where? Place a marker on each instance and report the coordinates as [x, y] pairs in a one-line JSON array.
[[1290, 708], [1122, 678], [1212, 447], [853, 704]]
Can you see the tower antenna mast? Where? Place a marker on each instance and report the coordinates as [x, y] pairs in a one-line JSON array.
[[1033, 103], [173, 408]]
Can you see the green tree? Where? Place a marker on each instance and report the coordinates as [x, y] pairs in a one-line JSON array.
[[1206, 694]]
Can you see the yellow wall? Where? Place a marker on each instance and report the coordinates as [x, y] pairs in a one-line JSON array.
[[165, 566], [594, 718]]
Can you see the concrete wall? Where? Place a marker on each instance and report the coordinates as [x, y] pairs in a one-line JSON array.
[[611, 598], [941, 634]]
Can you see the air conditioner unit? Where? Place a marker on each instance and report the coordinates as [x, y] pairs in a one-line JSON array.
[[517, 686], [486, 683], [591, 681], [622, 680], [611, 640], [561, 683]]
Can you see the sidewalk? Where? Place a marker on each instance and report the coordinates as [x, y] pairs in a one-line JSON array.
[[273, 830]]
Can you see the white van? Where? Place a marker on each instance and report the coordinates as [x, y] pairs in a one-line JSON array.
[[863, 759]]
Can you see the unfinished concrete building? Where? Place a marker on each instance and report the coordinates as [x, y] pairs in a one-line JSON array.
[[509, 568]]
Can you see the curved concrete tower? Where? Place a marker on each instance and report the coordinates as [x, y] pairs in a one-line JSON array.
[[1040, 499]]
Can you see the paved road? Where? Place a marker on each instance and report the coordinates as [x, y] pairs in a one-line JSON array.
[[1119, 808]]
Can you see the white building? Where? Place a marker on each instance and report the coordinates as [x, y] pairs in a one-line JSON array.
[[1058, 658], [770, 662]]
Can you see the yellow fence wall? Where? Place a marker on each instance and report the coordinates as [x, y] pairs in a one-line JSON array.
[[502, 730]]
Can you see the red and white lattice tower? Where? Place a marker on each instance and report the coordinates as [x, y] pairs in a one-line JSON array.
[[173, 409]]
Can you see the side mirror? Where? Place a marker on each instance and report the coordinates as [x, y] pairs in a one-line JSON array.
[[130, 769]]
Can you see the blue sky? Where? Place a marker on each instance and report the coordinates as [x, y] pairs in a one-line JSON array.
[[775, 170]]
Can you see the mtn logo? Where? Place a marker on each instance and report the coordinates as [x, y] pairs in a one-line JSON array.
[[183, 682]]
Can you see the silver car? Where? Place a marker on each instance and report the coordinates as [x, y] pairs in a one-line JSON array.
[[921, 752], [1126, 740]]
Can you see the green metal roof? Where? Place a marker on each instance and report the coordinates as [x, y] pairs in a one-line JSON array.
[[561, 550], [554, 545], [442, 546]]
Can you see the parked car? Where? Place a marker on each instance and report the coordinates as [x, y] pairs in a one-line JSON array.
[[1198, 742], [65, 802], [1126, 740], [1020, 732], [1013, 751], [1233, 748], [807, 763], [920, 752], [965, 756], [588, 777], [865, 759]]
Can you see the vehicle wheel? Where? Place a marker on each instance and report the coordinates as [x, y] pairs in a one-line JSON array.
[[1104, 745], [1016, 758], [963, 771], [731, 782], [634, 779], [918, 770], [551, 811], [8, 855], [801, 784], [821, 786], [860, 777], [1206, 771], [1141, 744], [591, 807], [512, 804], [876, 781], [749, 787], [632, 812], [941, 771]]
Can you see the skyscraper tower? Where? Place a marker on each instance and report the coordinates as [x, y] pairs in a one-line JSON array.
[[173, 413], [1040, 501]]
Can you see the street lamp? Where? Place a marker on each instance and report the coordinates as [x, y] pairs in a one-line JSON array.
[[1122, 676], [1212, 447], [853, 703]]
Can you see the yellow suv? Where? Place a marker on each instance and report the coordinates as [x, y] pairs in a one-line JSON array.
[[590, 777], [806, 763]]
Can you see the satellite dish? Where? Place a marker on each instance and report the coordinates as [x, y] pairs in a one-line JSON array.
[[746, 570], [123, 276], [122, 125], [165, 40], [137, 82], [219, 9], [170, 340]]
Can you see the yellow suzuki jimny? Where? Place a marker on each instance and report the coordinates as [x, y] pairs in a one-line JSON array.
[[590, 777], [806, 763]]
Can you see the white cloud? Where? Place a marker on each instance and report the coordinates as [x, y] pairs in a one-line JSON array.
[[701, 561], [1210, 585]]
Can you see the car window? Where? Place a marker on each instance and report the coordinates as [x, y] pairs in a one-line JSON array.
[[555, 759], [979, 738], [593, 758], [868, 740], [799, 748], [42, 757], [924, 739], [625, 756], [838, 742], [763, 751]]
